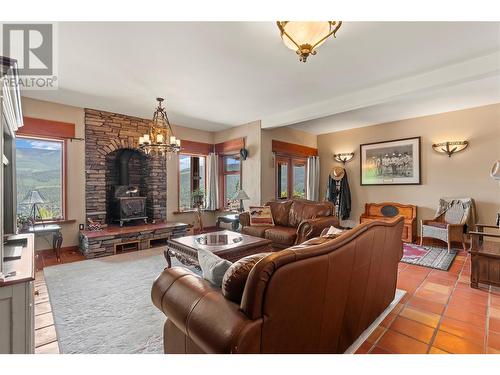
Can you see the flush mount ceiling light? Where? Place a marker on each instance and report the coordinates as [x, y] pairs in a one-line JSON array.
[[343, 157], [450, 148], [305, 37]]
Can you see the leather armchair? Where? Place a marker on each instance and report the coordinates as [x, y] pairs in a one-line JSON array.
[[305, 299], [296, 221]]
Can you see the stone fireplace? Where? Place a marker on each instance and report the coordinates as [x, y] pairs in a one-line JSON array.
[[117, 171]]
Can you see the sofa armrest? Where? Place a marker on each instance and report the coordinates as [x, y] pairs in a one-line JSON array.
[[202, 313], [245, 219], [313, 227]]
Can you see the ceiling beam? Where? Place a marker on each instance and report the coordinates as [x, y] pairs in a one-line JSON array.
[[447, 76]]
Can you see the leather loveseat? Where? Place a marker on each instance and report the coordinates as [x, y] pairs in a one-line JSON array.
[[305, 299], [295, 221]]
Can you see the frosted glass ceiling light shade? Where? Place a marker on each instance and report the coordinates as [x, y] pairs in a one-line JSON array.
[[305, 37]]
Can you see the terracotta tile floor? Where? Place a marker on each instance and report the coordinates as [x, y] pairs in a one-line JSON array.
[[439, 314]]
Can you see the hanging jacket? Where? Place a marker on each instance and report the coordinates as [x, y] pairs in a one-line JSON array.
[[344, 205]]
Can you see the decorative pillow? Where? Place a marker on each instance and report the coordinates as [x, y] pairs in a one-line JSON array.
[[236, 276], [212, 267], [332, 232], [261, 216]]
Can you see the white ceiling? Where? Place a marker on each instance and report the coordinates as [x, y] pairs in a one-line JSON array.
[[216, 75]]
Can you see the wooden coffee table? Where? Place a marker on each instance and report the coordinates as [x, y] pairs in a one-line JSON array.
[[225, 244]]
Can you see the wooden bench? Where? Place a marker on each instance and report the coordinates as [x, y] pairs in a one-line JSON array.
[[387, 210]]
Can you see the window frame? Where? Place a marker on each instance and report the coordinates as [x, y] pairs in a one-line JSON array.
[[291, 161], [222, 177], [64, 162], [190, 154]]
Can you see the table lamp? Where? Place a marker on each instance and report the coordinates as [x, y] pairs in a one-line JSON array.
[[34, 198], [241, 196]]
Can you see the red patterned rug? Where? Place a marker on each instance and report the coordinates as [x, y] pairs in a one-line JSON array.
[[428, 256]]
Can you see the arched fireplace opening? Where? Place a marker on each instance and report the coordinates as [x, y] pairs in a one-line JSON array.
[[126, 187]]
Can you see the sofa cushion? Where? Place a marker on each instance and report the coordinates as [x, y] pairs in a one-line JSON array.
[[281, 235], [300, 211], [255, 231], [281, 211], [261, 216], [236, 276]]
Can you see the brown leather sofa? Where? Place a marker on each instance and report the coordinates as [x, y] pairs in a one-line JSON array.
[[305, 299], [295, 221]]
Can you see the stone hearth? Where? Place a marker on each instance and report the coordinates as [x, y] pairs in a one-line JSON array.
[[109, 241]]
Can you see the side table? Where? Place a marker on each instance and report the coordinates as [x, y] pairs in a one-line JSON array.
[[233, 219], [54, 230], [485, 257]]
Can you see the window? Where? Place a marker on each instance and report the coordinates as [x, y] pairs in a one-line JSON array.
[[192, 177], [40, 167], [290, 177], [231, 179]]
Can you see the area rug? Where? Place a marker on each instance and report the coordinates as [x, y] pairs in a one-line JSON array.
[[104, 305], [428, 256]]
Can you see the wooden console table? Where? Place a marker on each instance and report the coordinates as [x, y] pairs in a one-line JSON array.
[[388, 210], [53, 230], [485, 257]]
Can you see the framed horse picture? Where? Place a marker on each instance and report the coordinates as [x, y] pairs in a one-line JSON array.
[[395, 162]]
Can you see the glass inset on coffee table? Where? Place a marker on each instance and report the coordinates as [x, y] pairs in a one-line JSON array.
[[225, 244], [219, 239]]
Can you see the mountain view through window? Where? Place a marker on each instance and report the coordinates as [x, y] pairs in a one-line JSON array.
[[39, 167]]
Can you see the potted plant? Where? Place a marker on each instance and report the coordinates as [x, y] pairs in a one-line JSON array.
[[23, 223], [198, 198]]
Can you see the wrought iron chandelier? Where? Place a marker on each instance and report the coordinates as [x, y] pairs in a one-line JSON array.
[[305, 37], [160, 139]]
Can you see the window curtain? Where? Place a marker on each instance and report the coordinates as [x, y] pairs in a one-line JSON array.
[[312, 179], [212, 182]]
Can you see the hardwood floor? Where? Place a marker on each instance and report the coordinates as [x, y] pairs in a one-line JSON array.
[[440, 313], [45, 333]]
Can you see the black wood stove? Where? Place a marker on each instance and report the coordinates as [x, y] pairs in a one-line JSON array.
[[127, 204]]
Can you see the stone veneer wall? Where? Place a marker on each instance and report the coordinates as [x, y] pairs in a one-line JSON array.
[[106, 132]]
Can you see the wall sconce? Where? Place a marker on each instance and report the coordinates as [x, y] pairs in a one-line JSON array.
[[450, 148], [343, 157]]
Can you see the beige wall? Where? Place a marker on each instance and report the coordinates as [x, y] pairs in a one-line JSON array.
[[267, 168], [465, 174], [251, 166], [75, 178]]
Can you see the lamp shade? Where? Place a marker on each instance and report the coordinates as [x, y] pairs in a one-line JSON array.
[[302, 33], [33, 197], [241, 195]]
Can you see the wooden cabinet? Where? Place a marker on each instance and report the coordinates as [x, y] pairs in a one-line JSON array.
[[388, 210], [17, 308]]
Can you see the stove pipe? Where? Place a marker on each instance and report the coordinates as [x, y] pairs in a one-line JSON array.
[[123, 161]]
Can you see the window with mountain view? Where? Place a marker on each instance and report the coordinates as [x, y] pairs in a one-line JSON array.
[[191, 182], [39, 168], [231, 179], [290, 179]]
